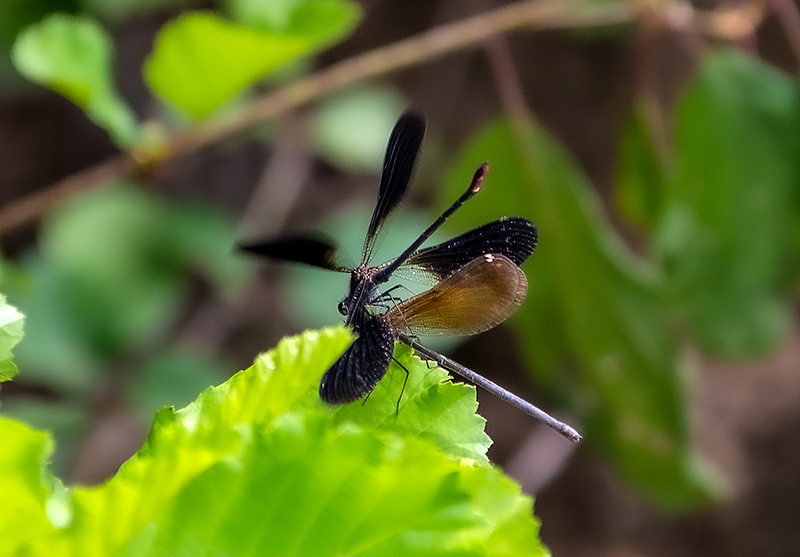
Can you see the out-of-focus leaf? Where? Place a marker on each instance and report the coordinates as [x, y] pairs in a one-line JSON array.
[[594, 327], [11, 321], [72, 56], [15, 15], [55, 350], [200, 60], [114, 266], [729, 232], [642, 173], [350, 129], [117, 280], [328, 20], [198, 236], [261, 465], [174, 379]]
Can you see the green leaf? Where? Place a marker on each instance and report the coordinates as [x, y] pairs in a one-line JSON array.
[[328, 20], [430, 408], [11, 321], [200, 60], [594, 327], [29, 493], [326, 473], [15, 15], [73, 55], [260, 465], [642, 173], [729, 232]]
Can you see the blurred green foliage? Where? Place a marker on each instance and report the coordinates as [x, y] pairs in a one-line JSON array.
[[601, 327], [72, 55], [200, 60], [16, 15], [729, 231], [111, 276], [594, 325]]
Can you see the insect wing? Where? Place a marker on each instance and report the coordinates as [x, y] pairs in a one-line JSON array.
[[362, 366], [398, 164], [315, 250], [479, 296], [512, 237]]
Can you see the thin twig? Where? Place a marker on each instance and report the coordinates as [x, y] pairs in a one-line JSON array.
[[532, 15], [27, 209], [538, 15]]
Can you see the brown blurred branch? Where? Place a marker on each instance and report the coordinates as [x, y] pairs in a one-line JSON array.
[[25, 210], [534, 15], [470, 32]]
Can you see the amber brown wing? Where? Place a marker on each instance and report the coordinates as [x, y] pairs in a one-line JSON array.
[[480, 295]]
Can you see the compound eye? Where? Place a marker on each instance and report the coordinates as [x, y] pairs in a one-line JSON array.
[[342, 308]]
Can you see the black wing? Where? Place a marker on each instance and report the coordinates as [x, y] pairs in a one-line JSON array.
[[514, 237], [398, 163], [316, 250], [362, 366]]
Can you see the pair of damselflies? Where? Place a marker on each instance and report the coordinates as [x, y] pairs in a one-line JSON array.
[[475, 279]]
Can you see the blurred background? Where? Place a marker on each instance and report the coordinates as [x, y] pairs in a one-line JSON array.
[[655, 146]]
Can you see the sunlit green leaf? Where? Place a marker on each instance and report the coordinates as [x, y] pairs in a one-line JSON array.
[[25, 486], [328, 20], [200, 60], [260, 465], [11, 321], [594, 327], [73, 56], [729, 232]]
